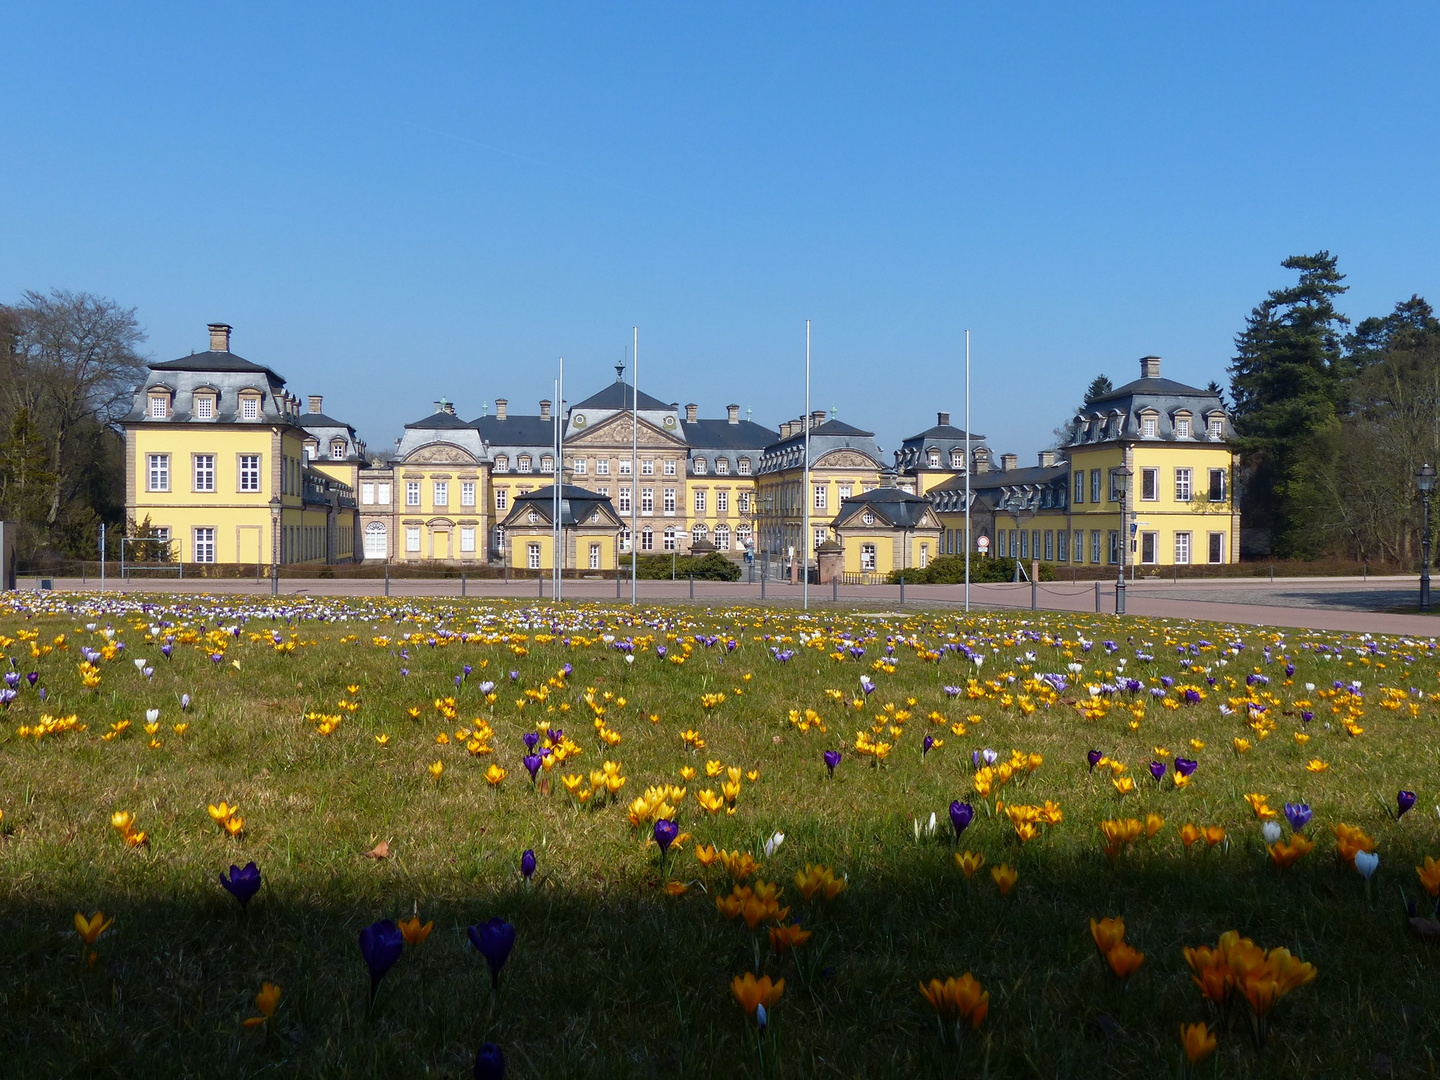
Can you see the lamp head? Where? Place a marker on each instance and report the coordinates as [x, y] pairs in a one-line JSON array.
[[1425, 477]]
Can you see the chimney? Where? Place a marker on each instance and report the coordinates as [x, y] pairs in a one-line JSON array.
[[982, 459], [785, 430], [817, 418], [316, 401], [732, 413], [450, 407], [544, 410], [440, 405], [674, 406], [1047, 458], [690, 413], [500, 404], [219, 337], [1149, 367], [887, 478], [943, 419], [1008, 462]]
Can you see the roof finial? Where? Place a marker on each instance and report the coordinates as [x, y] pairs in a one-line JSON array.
[[834, 412], [748, 411], [620, 372]]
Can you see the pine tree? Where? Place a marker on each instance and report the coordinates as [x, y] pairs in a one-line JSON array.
[[1100, 387], [1286, 380]]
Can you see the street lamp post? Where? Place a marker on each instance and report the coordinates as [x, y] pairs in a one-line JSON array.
[[1122, 484], [1425, 481], [275, 505]]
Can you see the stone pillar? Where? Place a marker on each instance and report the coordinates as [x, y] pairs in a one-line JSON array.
[[830, 558]]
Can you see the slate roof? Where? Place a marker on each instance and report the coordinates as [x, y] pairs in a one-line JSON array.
[[214, 361], [619, 397], [440, 421], [516, 430], [576, 504], [893, 504], [945, 433], [723, 435]]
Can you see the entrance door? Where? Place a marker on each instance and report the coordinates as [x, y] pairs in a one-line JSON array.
[[442, 544]]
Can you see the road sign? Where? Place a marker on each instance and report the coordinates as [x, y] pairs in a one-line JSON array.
[[983, 543]]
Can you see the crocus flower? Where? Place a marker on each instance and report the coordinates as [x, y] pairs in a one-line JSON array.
[[665, 833], [1157, 770], [531, 738], [1093, 757], [961, 814], [489, 1063], [1298, 814], [184, 702], [493, 940], [32, 677], [1271, 830], [832, 758], [926, 745], [1404, 800], [242, 884], [1366, 862], [1185, 766], [527, 864], [380, 944], [532, 763]]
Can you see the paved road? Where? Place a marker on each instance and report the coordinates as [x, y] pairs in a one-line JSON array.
[[1344, 604]]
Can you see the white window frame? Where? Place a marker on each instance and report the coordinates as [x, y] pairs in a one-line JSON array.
[[250, 407], [699, 464], [467, 539], [467, 492], [867, 557], [440, 490], [412, 538], [669, 468], [647, 539], [722, 466], [1182, 427], [522, 463], [1183, 548], [626, 467], [376, 541], [602, 467], [647, 500], [203, 467], [671, 539], [204, 406], [532, 556], [722, 502], [250, 472], [412, 493], [579, 466], [382, 494], [743, 502], [822, 495], [547, 464], [722, 538], [158, 472], [623, 495], [159, 406], [700, 502], [594, 556], [1184, 485], [1211, 544], [367, 493], [501, 498], [744, 466], [1224, 484], [204, 544], [647, 466]]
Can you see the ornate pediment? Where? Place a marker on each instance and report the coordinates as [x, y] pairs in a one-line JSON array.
[[846, 459], [439, 454], [616, 434]]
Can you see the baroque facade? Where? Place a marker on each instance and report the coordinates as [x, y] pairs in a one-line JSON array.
[[223, 464]]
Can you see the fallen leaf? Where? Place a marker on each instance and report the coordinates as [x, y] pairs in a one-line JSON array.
[[379, 851]]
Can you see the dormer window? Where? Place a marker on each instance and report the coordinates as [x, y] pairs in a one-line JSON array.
[[159, 406], [337, 448], [1217, 427], [1149, 425], [522, 463], [1182, 426], [205, 406], [744, 467], [932, 458], [502, 463], [699, 466], [547, 464], [250, 405], [722, 466], [957, 459]]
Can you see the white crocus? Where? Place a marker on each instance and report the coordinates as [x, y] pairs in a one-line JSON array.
[[1271, 831], [139, 663], [152, 715], [774, 843], [1366, 862]]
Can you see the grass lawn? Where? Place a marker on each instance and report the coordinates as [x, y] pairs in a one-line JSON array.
[[323, 722]]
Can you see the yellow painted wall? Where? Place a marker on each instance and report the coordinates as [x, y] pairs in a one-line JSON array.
[[577, 548]]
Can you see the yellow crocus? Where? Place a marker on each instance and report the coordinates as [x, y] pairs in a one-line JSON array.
[[751, 992], [91, 928], [436, 768], [968, 863], [413, 932], [1198, 1042], [1005, 878], [494, 774], [266, 1001]]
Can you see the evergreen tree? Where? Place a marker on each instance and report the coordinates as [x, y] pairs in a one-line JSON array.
[[1100, 387], [1286, 379]]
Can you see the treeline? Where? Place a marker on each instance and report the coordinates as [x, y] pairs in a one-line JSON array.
[[1333, 420], [69, 363]]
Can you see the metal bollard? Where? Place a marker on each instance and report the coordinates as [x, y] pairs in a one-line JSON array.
[[387, 579], [692, 586], [540, 585], [617, 583], [462, 584], [834, 590], [1097, 597], [762, 586], [1034, 589], [902, 590]]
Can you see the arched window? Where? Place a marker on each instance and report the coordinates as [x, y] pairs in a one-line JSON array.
[[647, 539], [722, 537], [669, 537], [625, 538], [742, 533], [337, 448], [376, 542], [698, 533]]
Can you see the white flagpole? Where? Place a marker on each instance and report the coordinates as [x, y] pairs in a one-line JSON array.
[[635, 466], [560, 477], [805, 488], [967, 471]]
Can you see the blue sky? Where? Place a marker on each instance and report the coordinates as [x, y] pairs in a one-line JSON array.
[[395, 202]]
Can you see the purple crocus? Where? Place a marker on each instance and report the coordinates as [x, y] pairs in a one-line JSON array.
[[514, 675], [1404, 800], [532, 762], [660, 651], [1298, 814], [531, 738], [489, 1063], [1306, 716], [832, 758], [12, 679], [32, 677], [458, 680], [184, 702], [380, 944], [961, 814], [1157, 770], [494, 940], [166, 650], [43, 694], [1093, 757], [466, 670], [1185, 766], [527, 864], [242, 884], [926, 745], [665, 833]]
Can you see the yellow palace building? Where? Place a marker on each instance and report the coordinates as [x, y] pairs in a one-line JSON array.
[[1158, 448], [216, 466]]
